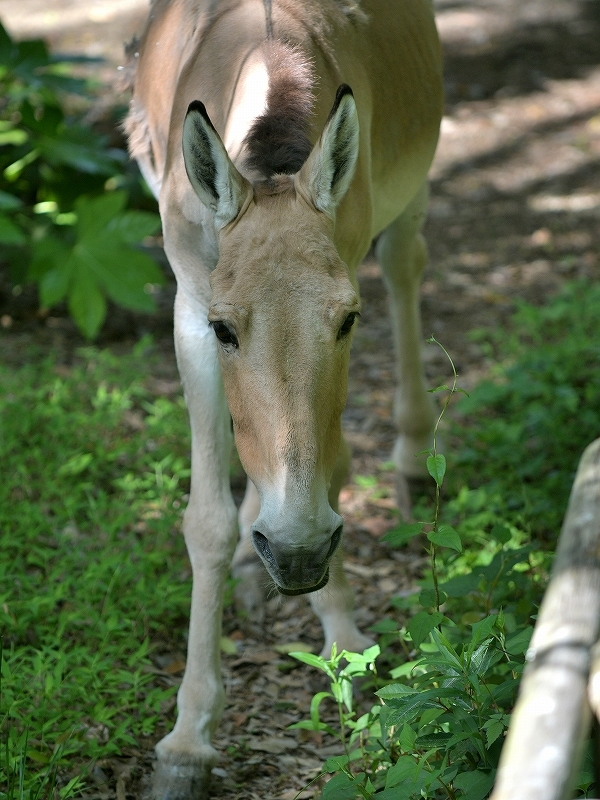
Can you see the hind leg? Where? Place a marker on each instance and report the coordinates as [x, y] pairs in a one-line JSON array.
[[402, 255], [334, 605], [247, 568]]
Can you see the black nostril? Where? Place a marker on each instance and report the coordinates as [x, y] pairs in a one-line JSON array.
[[261, 543], [335, 540]]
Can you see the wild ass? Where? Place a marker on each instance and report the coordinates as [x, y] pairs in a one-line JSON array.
[[273, 178]]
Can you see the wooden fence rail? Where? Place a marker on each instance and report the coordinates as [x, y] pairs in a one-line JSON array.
[[561, 682]]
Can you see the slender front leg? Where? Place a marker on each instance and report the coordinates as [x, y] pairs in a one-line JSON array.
[[402, 255], [186, 756]]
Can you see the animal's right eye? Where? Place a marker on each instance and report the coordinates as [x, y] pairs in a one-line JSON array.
[[224, 334]]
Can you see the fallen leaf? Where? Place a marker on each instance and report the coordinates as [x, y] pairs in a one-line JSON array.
[[272, 744], [377, 526], [294, 647], [174, 667], [228, 646], [256, 657]]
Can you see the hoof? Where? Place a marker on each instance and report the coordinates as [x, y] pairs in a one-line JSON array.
[[351, 640], [408, 489], [423, 486], [403, 497], [180, 782]]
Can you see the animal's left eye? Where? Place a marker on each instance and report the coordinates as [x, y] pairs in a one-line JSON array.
[[347, 325]]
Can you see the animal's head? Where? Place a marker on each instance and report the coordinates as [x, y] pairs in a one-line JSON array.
[[282, 312]]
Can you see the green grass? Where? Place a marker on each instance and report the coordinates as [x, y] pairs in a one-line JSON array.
[[94, 579], [93, 571], [520, 434]]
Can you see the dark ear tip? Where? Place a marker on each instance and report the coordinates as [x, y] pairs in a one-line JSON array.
[[200, 108], [196, 105], [342, 91]]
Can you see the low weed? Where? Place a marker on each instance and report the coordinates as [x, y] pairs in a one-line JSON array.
[[439, 718]]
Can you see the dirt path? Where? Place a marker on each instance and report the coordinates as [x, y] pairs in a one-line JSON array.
[[515, 211]]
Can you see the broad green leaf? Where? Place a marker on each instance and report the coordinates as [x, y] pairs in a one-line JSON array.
[[394, 690], [422, 624], [124, 273], [482, 630], [335, 763], [436, 466], [94, 214], [402, 533], [54, 284], [462, 584], [407, 709], [83, 156], [87, 305], [48, 253], [501, 533], [407, 739], [8, 201], [433, 741], [427, 598], [340, 787], [314, 661], [447, 650], [519, 642], [476, 785], [15, 137], [445, 536], [405, 669], [482, 658], [131, 227], [493, 729], [9, 232], [403, 770], [7, 47], [314, 708]]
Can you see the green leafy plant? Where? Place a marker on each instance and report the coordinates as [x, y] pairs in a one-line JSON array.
[[342, 669], [63, 225], [438, 726], [98, 261]]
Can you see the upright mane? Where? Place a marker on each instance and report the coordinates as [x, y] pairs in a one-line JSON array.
[[278, 141]]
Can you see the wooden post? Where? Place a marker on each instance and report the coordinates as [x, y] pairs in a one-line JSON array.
[[542, 751]]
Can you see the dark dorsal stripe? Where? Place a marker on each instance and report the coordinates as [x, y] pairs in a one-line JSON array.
[[278, 141]]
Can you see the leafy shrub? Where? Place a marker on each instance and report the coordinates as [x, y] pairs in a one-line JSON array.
[[60, 226], [438, 725]]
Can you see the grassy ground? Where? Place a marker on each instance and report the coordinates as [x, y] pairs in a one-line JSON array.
[[93, 567], [93, 572]]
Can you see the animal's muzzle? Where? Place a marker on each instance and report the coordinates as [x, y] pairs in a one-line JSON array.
[[297, 571]]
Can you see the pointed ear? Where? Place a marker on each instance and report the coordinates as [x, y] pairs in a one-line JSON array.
[[329, 169], [216, 181]]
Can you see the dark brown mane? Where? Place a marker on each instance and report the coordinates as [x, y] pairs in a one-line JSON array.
[[278, 141]]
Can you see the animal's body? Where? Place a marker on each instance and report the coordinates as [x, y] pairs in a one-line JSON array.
[[272, 183]]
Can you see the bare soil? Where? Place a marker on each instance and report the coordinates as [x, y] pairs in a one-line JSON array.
[[514, 212]]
